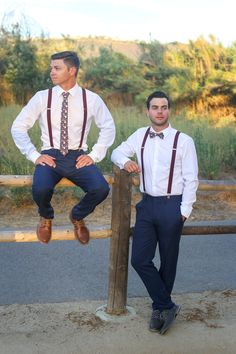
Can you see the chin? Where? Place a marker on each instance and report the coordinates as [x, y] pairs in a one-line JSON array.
[[54, 81]]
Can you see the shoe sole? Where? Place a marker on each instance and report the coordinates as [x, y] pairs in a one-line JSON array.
[[154, 330], [167, 326]]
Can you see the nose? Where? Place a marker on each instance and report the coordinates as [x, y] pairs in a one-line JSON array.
[[52, 71]]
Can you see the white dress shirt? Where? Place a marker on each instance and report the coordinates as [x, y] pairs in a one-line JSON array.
[[157, 158], [36, 109]]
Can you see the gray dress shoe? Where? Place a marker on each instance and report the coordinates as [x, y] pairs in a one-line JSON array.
[[156, 321], [168, 317]]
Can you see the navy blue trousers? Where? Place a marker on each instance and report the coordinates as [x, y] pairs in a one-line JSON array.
[[88, 178], [158, 222]]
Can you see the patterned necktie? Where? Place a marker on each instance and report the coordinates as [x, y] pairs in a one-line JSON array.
[[160, 135], [64, 124]]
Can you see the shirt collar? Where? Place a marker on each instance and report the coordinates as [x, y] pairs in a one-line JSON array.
[[73, 91], [165, 131]]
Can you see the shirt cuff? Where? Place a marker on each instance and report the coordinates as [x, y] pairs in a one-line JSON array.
[[185, 211], [122, 162], [34, 156], [93, 157]]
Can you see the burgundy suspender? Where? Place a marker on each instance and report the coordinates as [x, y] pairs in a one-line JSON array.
[[142, 149], [172, 164], [49, 116], [85, 116]]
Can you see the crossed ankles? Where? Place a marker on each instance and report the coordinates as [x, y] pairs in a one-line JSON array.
[[44, 230], [162, 320]]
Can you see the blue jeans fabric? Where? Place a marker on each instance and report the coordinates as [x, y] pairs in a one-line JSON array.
[[158, 222], [88, 178]]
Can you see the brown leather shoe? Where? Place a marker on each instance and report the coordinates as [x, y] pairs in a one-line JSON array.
[[44, 230], [80, 230]]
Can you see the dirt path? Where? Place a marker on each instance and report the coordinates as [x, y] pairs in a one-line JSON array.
[[205, 325]]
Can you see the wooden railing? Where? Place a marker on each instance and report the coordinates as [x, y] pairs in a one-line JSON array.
[[120, 230]]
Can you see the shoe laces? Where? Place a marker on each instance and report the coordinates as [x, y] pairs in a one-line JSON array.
[[46, 222], [156, 314], [166, 313], [78, 223]]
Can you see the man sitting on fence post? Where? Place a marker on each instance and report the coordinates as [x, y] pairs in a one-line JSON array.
[[167, 163], [65, 114]]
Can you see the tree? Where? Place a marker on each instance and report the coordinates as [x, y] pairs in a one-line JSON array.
[[21, 65], [113, 75]]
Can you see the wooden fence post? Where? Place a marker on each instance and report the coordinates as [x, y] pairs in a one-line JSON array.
[[119, 248]]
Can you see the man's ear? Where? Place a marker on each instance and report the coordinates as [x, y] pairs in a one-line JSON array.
[[72, 70]]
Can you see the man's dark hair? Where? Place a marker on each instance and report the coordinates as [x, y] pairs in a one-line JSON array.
[[157, 94], [70, 59]]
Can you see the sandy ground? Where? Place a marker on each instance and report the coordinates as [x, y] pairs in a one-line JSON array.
[[205, 325]]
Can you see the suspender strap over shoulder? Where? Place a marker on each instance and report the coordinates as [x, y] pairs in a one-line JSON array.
[[142, 150], [49, 103], [49, 116], [172, 164], [85, 117]]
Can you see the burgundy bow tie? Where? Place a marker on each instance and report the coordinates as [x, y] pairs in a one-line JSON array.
[[160, 135]]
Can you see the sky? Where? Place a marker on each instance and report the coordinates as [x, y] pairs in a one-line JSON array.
[[146, 20]]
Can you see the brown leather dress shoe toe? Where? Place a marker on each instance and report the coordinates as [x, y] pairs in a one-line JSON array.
[[80, 230], [44, 230]]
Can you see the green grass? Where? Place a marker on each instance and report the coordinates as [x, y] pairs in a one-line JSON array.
[[216, 146], [12, 161]]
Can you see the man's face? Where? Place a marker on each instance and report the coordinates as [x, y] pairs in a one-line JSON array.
[[59, 73], [158, 113]]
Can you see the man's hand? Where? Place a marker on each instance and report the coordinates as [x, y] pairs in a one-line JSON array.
[[84, 160], [132, 166], [46, 160]]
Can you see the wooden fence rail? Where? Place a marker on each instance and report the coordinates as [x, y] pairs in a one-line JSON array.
[[120, 228], [26, 180]]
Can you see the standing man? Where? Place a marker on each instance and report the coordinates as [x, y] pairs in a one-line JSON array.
[[65, 114], [167, 163]]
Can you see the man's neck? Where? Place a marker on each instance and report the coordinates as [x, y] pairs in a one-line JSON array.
[[159, 128], [67, 86]]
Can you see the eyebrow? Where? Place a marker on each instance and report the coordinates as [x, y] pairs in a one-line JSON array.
[[156, 106], [54, 66]]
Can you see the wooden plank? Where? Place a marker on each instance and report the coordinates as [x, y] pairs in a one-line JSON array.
[[217, 185], [58, 234], [61, 234], [119, 247], [218, 227], [26, 181], [204, 185], [210, 228]]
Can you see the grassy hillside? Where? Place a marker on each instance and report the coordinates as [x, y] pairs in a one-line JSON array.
[[89, 46]]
